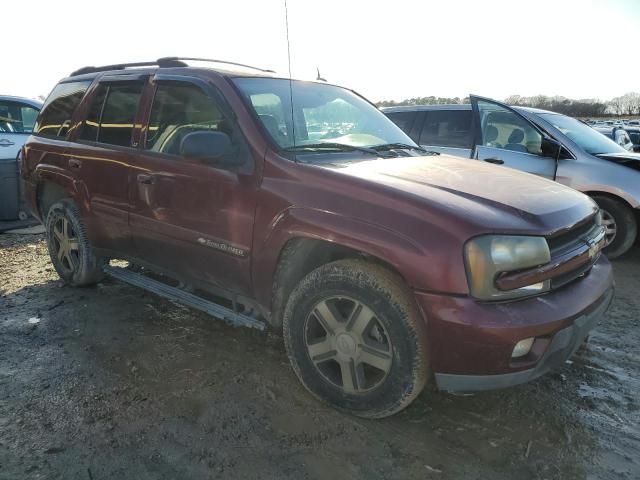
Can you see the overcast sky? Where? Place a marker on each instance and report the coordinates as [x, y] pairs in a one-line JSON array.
[[390, 49]]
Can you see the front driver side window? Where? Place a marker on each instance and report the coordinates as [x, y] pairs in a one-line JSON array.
[[502, 128], [180, 109]]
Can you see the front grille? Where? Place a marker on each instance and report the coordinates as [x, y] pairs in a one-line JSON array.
[[566, 242], [572, 238]]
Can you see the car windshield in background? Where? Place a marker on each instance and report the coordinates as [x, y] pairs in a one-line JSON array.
[[590, 140], [324, 114], [17, 117]]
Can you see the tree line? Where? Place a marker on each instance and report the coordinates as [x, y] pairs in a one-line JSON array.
[[624, 105]]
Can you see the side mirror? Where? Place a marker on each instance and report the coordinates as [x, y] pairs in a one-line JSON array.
[[551, 148], [207, 146]]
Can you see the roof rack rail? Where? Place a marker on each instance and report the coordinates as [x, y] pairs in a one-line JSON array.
[[211, 60], [162, 62]]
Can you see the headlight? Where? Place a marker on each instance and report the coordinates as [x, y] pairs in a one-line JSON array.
[[489, 255]]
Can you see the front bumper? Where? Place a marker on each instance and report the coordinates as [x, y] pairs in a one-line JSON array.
[[471, 342]]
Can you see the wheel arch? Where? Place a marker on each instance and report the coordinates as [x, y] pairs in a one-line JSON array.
[[614, 194], [300, 256], [300, 240], [53, 184]]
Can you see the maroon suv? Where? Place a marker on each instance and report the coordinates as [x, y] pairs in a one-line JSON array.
[[300, 205]]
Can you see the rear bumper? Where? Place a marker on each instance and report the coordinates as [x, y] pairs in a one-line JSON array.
[[471, 342]]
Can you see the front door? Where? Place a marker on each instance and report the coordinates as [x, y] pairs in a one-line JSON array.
[[504, 137], [190, 218], [16, 124]]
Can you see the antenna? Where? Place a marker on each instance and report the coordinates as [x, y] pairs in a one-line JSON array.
[[319, 78], [293, 122]]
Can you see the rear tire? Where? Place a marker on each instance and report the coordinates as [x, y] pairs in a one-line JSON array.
[[71, 253], [356, 339], [621, 225]]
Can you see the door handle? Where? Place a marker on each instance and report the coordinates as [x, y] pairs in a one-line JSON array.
[[75, 163], [495, 161], [145, 179], [6, 143]]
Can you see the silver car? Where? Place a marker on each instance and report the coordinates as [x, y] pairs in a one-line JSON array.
[[17, 118], [537, 141]]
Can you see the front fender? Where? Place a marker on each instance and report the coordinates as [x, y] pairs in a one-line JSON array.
[[398, 250], [632, 200]]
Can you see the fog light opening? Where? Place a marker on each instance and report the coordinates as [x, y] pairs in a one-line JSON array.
[[522, 348]]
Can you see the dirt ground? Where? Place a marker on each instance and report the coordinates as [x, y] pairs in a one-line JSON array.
[[112, 382]]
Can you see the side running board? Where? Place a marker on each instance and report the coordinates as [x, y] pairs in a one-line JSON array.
[[186, 298]]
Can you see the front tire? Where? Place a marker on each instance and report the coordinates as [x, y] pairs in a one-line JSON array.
[[356, 340], [620, 224], [71, 253]]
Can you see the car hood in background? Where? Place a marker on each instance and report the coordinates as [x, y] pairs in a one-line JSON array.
[[631, 160]]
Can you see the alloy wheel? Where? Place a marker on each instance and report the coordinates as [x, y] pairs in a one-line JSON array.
[[348, 344], [66, 245], [610, 228]]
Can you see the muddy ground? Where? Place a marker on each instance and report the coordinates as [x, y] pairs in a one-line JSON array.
[[111, 382]]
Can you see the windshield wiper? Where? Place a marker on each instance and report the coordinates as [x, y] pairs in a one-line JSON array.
[[402, 146], [341, 147]]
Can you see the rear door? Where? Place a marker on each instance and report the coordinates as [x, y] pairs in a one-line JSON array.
[[102, 155], [505, 137], [190, 218], [448, 131]]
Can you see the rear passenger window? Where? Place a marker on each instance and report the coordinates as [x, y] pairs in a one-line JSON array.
[[404, 120], [55, 117], [447, 128], [119, 114], [180, 109]]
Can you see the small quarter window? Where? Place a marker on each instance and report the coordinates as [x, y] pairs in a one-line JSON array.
[[55, 117]]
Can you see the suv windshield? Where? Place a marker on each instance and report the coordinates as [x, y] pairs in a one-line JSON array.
[[324, 114], [590, 140]]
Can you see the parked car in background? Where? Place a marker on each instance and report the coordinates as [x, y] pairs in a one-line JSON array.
[[384, 266], [618, 135], [634, 135], [522, 138], [17, 118]]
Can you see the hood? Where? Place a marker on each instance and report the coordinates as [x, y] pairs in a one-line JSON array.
[[493, 197], [631, 160]]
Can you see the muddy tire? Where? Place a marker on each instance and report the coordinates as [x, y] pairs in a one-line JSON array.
[[620, 223], [355, 338], [71, 253]]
